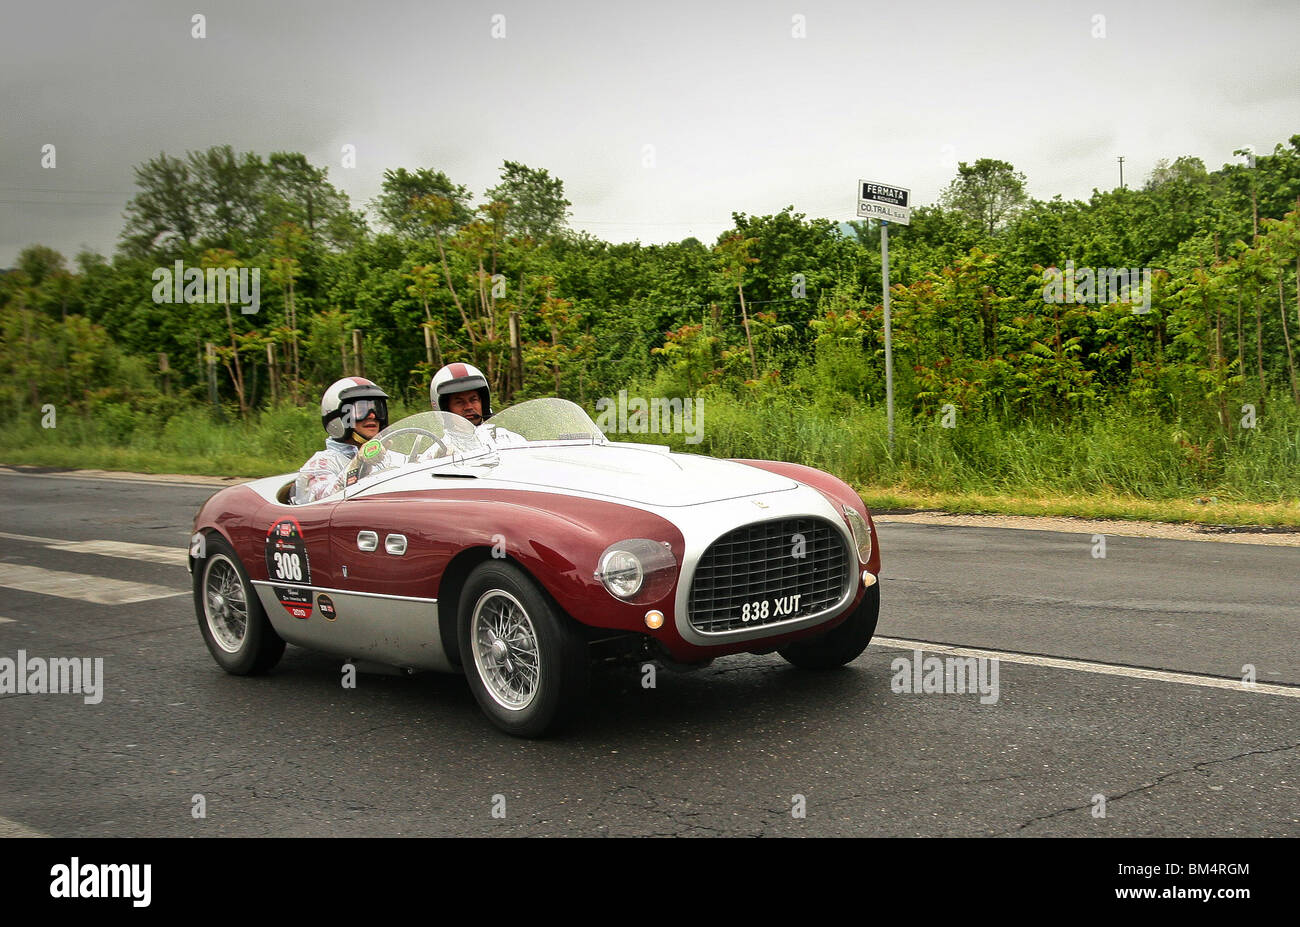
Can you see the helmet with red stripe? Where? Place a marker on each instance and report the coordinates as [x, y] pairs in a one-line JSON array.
[[459, 378], [349, 401]]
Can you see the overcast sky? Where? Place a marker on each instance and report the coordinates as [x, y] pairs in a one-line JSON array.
[[661, 117]]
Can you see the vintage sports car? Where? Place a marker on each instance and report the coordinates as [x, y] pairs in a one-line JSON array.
[[521, 551]]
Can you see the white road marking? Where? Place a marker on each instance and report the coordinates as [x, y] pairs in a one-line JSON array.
[[8, 620], [1085, 666], [10, 828], [169, 556], [98, 589], [1068, 525]]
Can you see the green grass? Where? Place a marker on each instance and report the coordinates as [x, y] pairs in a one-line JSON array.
[[190, 441], [1116, 464]]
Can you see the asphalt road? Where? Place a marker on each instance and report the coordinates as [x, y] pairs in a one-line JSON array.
[[749, 746]]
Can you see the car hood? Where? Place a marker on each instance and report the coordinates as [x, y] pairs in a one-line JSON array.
[[641, 474]]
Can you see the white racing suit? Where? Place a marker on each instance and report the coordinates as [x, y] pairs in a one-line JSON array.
[[330, 470], [322, 474]]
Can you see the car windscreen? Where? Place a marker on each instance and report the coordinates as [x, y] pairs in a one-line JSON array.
[[547, 420], [423, 441]]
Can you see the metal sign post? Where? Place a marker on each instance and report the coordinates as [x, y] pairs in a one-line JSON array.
[[889, 329], [886, 203]]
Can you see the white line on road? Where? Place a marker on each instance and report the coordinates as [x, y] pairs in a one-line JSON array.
[[1084, 666], [10, 828], [1070, 525], [98, 589], [8, 620], [170, 556]]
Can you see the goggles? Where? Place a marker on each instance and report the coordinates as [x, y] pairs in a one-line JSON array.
[[358, 410]]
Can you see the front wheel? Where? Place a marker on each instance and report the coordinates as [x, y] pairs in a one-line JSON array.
[[843, 643], [526, 662], [231, 618]]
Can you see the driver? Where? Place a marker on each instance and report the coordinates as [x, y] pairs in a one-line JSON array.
[[353, 410], [461, 389]]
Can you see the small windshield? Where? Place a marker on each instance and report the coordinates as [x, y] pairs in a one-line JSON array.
[[426, 436], [422, 440], [435, 440], [546, 420]]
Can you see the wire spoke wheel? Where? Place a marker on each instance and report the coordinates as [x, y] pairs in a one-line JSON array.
[[506, 650], [526, 662], [231, 618], [224, 604]]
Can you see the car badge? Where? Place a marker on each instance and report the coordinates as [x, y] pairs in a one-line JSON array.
[[760, 503]]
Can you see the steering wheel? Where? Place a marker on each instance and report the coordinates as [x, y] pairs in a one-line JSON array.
[[445, 451]]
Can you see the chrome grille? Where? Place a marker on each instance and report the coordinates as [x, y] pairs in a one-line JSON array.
[[758, 564]]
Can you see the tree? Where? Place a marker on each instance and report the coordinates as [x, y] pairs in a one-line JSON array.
[[162, 216], [288, 242], [219, 198], [989, 193], [402, 189], [223, 259], [733, 253], [228, 196], [424, 283], [297, 192], [538, 209]]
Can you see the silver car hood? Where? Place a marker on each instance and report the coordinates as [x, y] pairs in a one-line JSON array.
[[631, 473]]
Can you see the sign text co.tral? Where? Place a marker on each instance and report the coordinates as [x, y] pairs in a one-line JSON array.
[[884, 201]]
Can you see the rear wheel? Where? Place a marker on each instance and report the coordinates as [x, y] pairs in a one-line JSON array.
[[231, 618], [842, 644], [526, 662]]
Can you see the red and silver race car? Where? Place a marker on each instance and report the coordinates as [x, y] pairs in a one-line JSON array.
[[520, 551]]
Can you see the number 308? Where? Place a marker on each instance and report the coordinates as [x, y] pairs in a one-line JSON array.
[[288, 566]]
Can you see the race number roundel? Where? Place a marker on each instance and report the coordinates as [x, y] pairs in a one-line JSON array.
[[286, 562]]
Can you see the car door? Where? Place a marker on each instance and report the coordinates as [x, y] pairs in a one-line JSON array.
[[387, 561]]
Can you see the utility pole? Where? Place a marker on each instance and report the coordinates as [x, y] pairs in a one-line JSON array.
[[1121, 173]]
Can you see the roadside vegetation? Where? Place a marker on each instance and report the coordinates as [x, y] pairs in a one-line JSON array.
[[1018, 388], [1118, 464]]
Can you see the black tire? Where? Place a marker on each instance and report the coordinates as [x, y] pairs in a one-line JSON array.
[[231, 618], [532, 677], [842, 644]]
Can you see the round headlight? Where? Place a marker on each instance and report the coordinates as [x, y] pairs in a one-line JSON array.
[[637, 568], [621, 572], [861, 532]]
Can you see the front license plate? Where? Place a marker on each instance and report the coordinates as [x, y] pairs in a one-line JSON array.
[[786, 606]]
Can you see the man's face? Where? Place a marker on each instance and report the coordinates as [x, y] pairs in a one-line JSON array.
[[367, 428], [467, 405]]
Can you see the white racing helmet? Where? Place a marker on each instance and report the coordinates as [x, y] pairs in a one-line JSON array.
[[458, 378], [347, 402]]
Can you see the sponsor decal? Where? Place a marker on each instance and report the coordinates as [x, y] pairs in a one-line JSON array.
[[325, 605], [286, 559]]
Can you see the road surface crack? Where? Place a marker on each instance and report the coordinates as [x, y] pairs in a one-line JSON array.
[[1146, 786]]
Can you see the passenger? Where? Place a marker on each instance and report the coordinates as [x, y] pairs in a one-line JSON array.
[[461, 389], [353, 410]]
